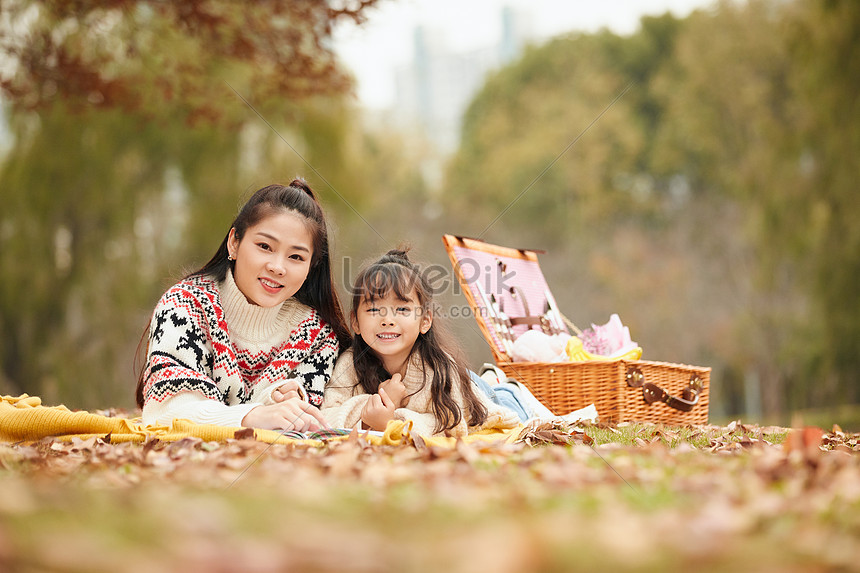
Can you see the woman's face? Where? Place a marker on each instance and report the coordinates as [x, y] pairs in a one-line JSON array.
[[272, 259]]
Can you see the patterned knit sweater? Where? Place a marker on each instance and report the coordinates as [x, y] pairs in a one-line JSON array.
[[213, 356], [345, 399]]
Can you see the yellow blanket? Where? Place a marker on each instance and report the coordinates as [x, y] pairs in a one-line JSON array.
[[24, 419]]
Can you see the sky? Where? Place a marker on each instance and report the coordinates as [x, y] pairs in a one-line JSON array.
[[382, 44]]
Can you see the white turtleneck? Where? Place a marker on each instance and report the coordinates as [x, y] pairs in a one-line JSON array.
[[255, 327]]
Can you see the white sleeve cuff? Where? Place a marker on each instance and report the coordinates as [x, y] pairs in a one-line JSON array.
[[423, 424], [197, 408]]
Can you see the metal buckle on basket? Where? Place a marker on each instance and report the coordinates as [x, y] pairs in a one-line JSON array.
[[693, 388], [634, 377], [653, 393], [695, 383]]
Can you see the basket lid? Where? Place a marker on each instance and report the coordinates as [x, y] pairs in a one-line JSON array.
[[502, 283]]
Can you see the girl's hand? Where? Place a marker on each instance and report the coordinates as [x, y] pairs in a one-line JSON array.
[[291, 414], [396, 390], [287, 390], [378, 410]]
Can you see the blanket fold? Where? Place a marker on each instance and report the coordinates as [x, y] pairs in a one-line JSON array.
[[25, 419]]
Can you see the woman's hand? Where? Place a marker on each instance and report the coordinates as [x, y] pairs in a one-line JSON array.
[[290, 414], [287, 390], [378, 410], [396, 390]]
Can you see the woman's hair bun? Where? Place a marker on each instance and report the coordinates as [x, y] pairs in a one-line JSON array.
[[300, 183]]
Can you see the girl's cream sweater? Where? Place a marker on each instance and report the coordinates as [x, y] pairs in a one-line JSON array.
[[344, 400]]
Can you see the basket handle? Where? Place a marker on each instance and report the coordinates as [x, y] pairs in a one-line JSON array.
[[653, 393], [542, 320]]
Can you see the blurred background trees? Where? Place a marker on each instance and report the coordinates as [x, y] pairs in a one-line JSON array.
[[132, 149], [713, 204], [707, 206]]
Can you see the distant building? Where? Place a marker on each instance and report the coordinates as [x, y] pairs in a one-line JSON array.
[[434, 90]]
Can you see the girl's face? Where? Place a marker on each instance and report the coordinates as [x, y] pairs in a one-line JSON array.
[[390, 326], [272, 259]]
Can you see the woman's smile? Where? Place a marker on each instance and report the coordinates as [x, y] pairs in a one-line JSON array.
[[270, 285]]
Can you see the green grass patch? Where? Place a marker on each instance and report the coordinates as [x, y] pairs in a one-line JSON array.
[[637, 434]]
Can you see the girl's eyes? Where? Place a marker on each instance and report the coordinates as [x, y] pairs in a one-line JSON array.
[[403, 310]]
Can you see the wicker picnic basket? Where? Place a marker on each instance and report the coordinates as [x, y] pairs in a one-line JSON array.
[[509, 295]]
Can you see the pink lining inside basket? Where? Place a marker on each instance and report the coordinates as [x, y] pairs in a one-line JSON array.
[[482, 268]]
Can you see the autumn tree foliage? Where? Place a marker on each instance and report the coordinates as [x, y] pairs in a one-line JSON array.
[[133, 128], [147, 54], [699, 177]]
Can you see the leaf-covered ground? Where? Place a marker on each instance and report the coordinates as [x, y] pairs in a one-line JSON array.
[[629, 497]]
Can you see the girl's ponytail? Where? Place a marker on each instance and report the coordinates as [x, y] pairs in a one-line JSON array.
[[401, 253]]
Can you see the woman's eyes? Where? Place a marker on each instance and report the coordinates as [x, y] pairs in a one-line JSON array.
[[267, 247]]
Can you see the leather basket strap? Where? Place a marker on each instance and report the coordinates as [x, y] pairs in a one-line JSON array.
[[653, 393]]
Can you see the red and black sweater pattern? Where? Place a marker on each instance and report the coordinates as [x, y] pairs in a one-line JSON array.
[[190, 350]]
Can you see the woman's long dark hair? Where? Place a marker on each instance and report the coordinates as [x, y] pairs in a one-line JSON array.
[[394, 272], [318, 290]]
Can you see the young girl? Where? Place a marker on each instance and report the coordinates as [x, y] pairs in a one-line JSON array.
[[259, 323], [400, 366]]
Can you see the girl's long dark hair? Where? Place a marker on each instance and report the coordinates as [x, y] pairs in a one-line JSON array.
[[394, 272], [318, 290]]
